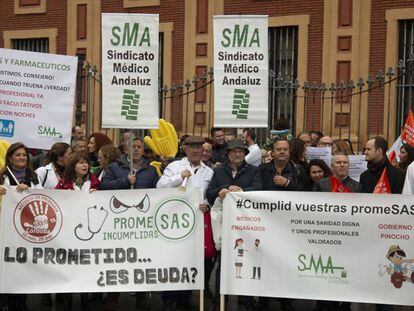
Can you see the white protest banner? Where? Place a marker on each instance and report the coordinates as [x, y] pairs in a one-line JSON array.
[[130, 70], [36, 97], [322, 153], [357, 165], [324, 246], [241, 71], [105, 241]]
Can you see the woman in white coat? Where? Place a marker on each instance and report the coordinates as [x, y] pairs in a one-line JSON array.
[[17, 173], [17, 170], [58, 157]]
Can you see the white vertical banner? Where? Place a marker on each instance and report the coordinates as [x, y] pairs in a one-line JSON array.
[[241, 71], [37, 93], [130, 70]]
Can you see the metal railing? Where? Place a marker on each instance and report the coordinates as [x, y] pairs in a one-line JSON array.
[[354, 110]]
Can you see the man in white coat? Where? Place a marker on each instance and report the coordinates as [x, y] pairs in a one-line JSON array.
[[257, 255], [254, 157], [189, 172]]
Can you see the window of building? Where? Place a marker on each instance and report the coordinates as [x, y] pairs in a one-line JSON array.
[[31, 44], [405, 86], [283, 54]]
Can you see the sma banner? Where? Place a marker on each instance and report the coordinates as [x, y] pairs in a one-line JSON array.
[[241, 71], [130, 71]]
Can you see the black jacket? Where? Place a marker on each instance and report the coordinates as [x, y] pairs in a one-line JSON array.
[[247, 177], [325, 185], [370, 177], [296, 175], [219, 153]]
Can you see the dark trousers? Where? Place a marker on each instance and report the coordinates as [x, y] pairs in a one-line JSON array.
[[208, 269], [259, 272], [15, 302], [333, 305], [179, 297], [218, 271]]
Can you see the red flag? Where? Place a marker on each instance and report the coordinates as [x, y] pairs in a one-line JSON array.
[[383, 184], [392, 156], [408, 131], [337, 186]]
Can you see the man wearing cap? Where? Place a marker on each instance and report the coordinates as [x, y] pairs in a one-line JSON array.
[[189, 168], [233, 176], [193, 173]]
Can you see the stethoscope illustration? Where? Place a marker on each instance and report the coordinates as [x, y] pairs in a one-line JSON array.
[[97, 217], [96, 220]]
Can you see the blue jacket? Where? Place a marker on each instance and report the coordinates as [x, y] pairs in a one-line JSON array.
[[116, 177]]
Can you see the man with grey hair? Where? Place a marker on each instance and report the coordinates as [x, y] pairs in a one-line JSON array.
[[340, 180], [80, 145]]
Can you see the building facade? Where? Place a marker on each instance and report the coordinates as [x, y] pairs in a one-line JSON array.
[[311, 42]]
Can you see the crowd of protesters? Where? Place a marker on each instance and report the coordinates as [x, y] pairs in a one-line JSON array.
[[218, 165]]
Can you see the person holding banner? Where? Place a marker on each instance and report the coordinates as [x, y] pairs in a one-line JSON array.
[[233, 176], [49, 176], [380, 170], [77, 177], [118, 175], [17, 172], [190, 172], [282, 174], [340, 180]]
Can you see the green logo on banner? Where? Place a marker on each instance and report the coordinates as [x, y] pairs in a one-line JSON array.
[[241, 103], [319, 265], [130, 101], [175, 219]]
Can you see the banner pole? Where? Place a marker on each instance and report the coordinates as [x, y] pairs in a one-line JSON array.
[[131, 171], [201, 300], [222, 303]]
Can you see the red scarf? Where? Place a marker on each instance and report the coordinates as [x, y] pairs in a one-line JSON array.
[[337, 185]]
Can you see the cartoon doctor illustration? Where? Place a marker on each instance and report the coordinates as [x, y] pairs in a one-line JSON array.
[[257, 255]]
